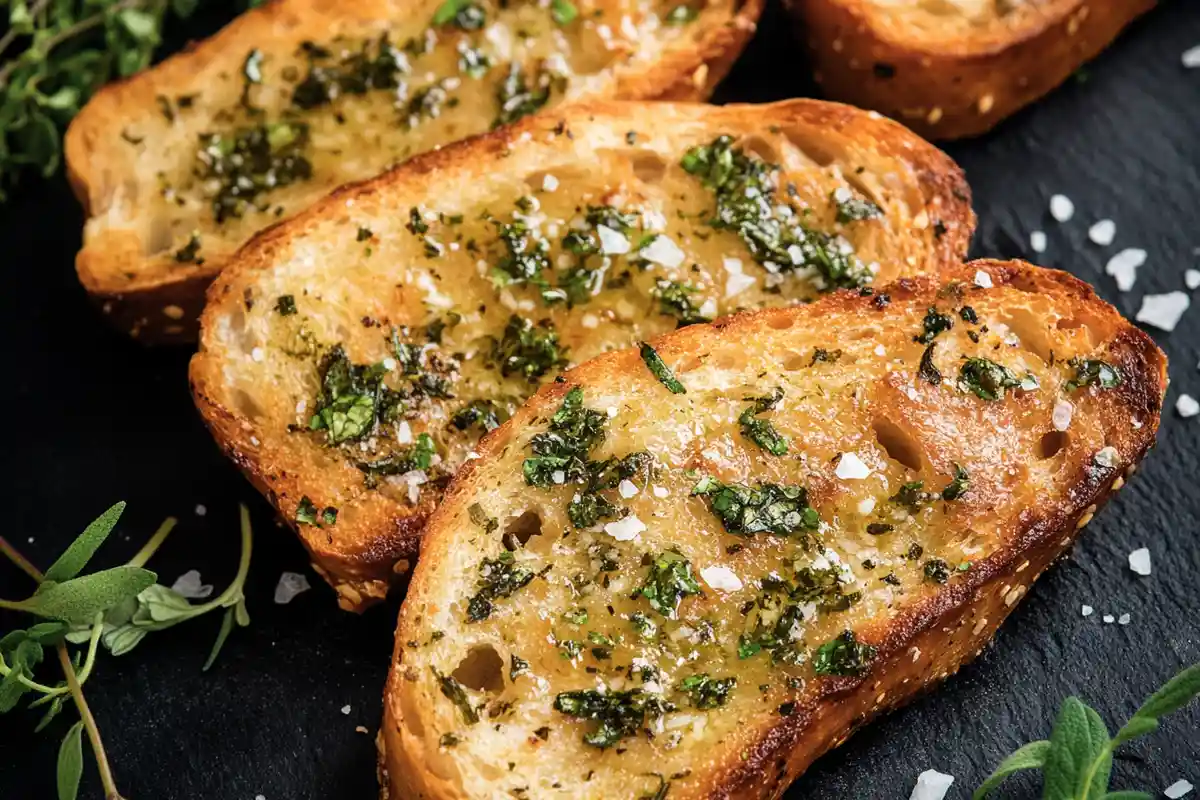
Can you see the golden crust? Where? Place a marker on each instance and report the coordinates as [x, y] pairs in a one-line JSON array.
[[364, 555], [920, 646], [950, 84], [142, 292]]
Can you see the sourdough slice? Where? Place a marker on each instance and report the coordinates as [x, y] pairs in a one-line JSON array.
[[954, 68], [456, 284], [792, 545], [179, 165]]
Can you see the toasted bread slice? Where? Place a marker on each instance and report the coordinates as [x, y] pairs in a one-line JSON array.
[[954, 68], [181, 164], [787, 544], [473, 274]]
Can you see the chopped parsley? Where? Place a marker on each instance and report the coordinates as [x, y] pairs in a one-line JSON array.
[[307, 514], [483, 413], [1092, 372], [517, 98], [378, 67], [675, 300], [987, 379], [249, 162], [527, 349], [352, 399], [761, 431], [766, 508], [517, 667], [455, 693], [499, 577], [616, 714], [911, 496], [563, 12], [464, 14], [937, 570], [707, 693], [775, 621], [573, 432], [659, 369], [958, 484], [668, 581], [823, 355], [844, 655], [748, 204], [591, 507], [682, 14], [190, 252], [524, 258], [646, 628], [285, 305], [853, 208], [933, 324], [419, 455]]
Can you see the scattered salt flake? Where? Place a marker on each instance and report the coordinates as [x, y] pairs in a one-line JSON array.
[[559, 476], [389, 363], [404, 432], [1103, 232], [612, 242], [1087, 611], [1139, 561], [201, 509], [736, 283], [851, 468], [1191, 278], [1061, 208], [931, 785], [627, 488], [1181, 787], [257, 354], [1191, 60], [549, 183], [346, 709], [1123, 619], [866, 506], [290, 584], [1109, 619], [625, 529], [188, 584], [660, 492], [1186, 406], [1107, 456], [1061, 416], [880, 350], [1124, 265], [1163, 310], [260, 797], [983, 280], [721, 578], [1037, 241], [662, 250]]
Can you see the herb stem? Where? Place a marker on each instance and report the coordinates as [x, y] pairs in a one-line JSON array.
[[23, 563], [235, 586], [33, 685], [89, 723], [151, 547], [1090, 774]]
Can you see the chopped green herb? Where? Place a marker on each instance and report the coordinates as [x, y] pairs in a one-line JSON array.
[[499, 577], [880, 528], [958, 484], [937, 570], [517, 98], [528, 349], [364, 234], [911, 496], [761, 431], [766, 508], [682, 14], [189, 253], [707, 693], [668, 581], [616, 714], [646, 628], [573, 431], [675, 300], [1089, 372], [483, 413], [933, 324], [448, 740], [419, 455], [285, 305], [517, 667], [482, 519], [827, 356], [853, 208], [844, 655], [987, 379], [465, 14], [250, 162], [563, 12], [378, 66], [454, 691], [968, 315], [748, 204], [576, 616], [659, 369], [353, 398]]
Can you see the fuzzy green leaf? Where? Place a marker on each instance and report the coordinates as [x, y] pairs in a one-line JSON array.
[[222, 635], [1174, 695], [1077, 741], [1031, 756], [80, 599], [70, 763], [80, 551], [1128, 795]]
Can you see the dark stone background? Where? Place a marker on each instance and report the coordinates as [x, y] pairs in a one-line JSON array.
[[93, 418]]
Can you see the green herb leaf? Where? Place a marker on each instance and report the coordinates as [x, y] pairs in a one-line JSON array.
[[1174, 695], [1031, 756], [80, 551], [1078, 740], [761, 431], [659, 369], [958, 485], [668, 581], [1128, 795], [844, 655], [80, 599], [563, 11], [70, 762], [222, 635]]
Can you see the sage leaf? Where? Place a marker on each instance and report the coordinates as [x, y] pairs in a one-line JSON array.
[[121, 639], [1074, 745], [80, 599], [1031, 756], [11, 688], [1128, 795], [159, 603], [1174, 695], [222, 635], [70, 763], [80, 551]]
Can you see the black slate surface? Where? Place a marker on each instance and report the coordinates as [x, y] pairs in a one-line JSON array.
[[92, 417]]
